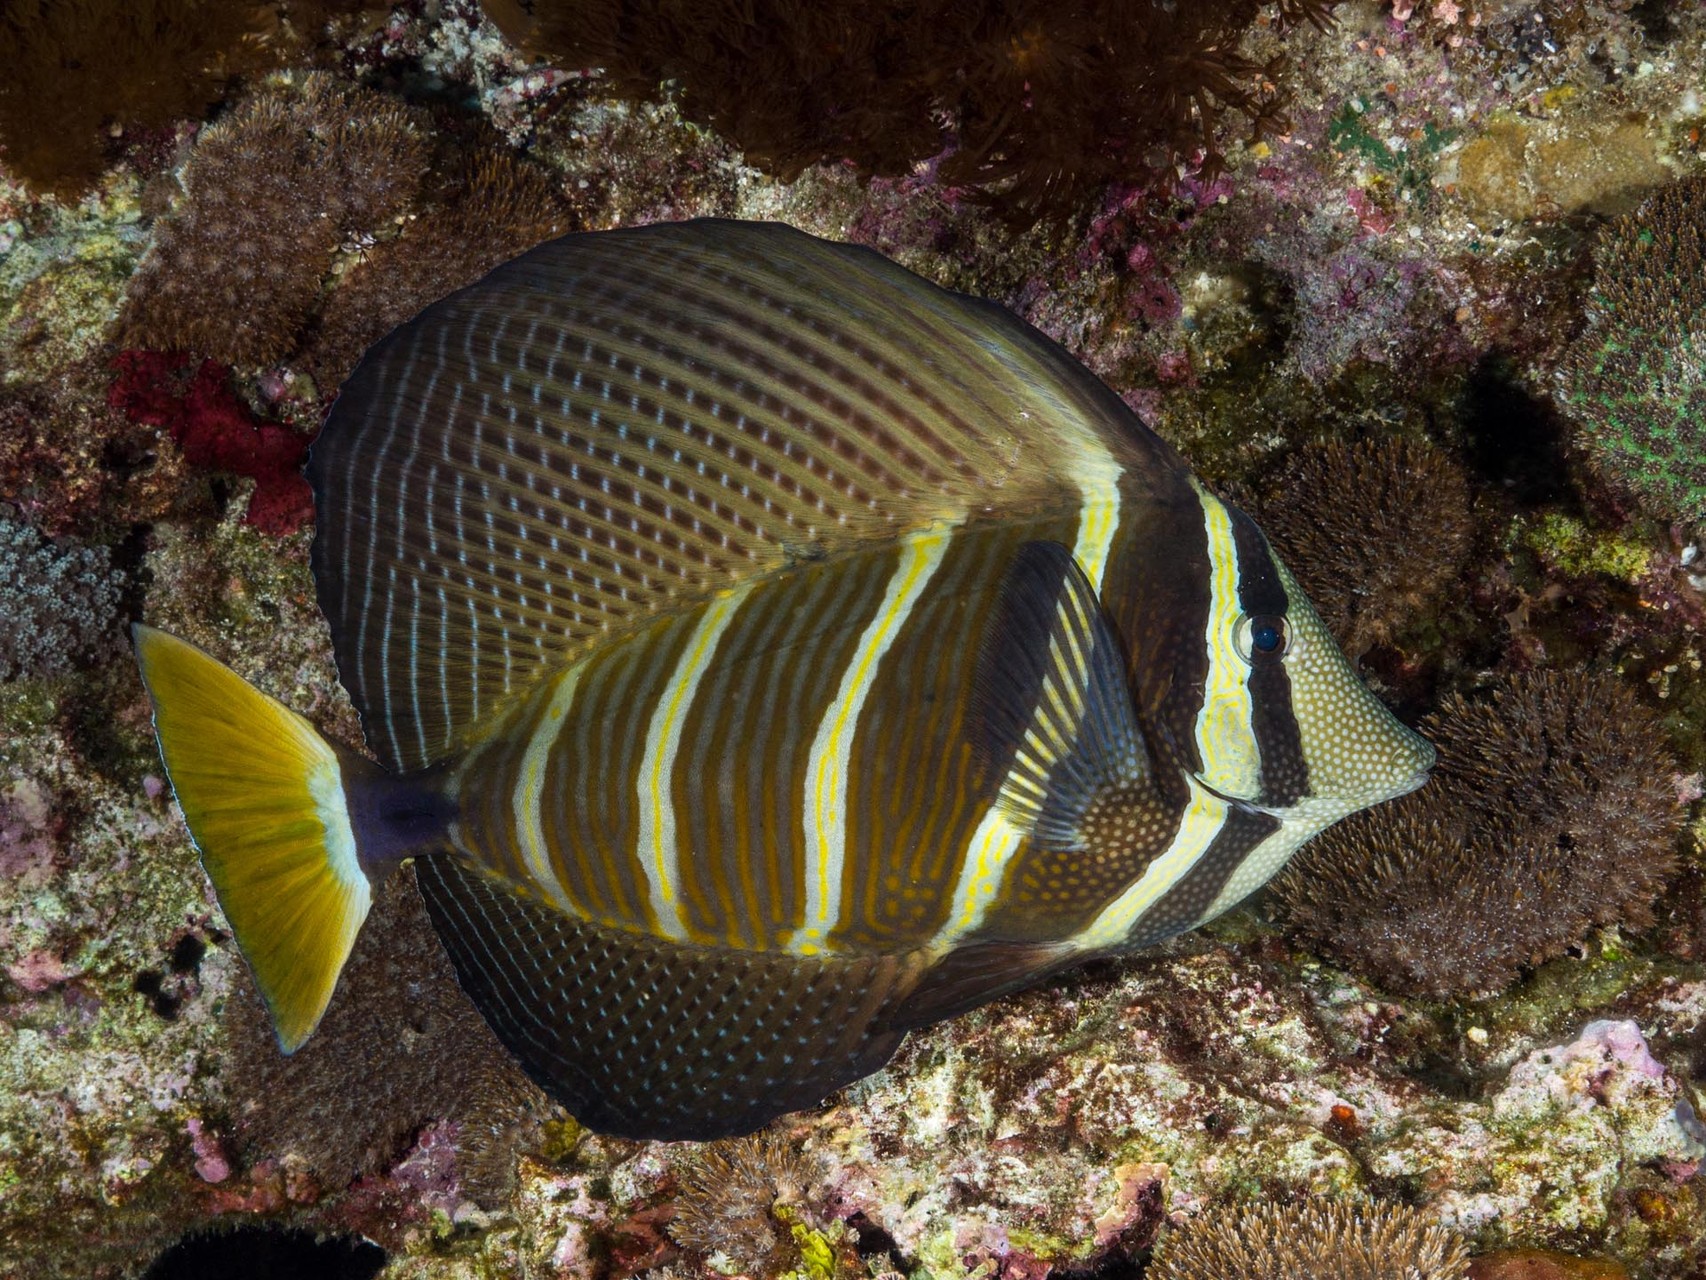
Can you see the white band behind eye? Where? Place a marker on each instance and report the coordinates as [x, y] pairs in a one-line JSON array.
[[1243, 636]]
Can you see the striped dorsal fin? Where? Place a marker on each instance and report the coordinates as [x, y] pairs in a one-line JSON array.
[[644, 1038], [620, 423]]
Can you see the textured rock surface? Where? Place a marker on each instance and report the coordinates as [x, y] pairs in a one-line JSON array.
[[1394, 268]]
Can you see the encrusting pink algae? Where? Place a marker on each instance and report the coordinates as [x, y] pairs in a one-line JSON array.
[[1411, 279]]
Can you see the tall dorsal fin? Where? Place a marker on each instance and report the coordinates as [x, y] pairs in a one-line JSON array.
[[619, 423]]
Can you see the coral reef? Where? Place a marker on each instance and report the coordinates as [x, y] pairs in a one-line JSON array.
[[1635, 379], [1553, 810], [1325, 1240], [270, 193], [1406, 263], [741, 1204], [324, 1110], [61, 603], [1375, 531], [1038, 106], [494, 208]]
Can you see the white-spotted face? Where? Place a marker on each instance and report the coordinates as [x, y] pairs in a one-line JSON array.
[[1285, 724]]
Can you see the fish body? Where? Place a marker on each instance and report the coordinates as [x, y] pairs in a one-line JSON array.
[[765, 653]]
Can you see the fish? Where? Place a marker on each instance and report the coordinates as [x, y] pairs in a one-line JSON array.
[[761, 653]]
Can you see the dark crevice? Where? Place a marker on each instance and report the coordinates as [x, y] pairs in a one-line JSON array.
[[1515, 440], [876, 1244], [267, 1253]]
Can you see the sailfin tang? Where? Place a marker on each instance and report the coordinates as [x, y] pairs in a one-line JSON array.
[[1052, 706], [649, 1039], [275, 810]]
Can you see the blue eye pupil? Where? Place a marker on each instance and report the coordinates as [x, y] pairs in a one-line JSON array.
[[1265, 636]]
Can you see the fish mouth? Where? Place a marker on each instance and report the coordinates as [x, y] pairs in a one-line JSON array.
[[1415, 782]]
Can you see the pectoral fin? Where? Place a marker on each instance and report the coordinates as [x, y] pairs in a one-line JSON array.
[[1052, 707]]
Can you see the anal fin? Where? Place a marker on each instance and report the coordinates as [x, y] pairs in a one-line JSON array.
[[644, 1038]]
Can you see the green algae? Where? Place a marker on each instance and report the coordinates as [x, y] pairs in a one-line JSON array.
[[1570, 546], [60, 286]]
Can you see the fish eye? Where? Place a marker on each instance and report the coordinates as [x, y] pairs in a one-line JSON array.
[[1264, 634]]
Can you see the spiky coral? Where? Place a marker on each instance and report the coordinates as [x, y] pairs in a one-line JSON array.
[[1375, 532], [1039, 103], [1553, 810], [271, 192], [1634, 381], [1324, 1240], [59, 603]]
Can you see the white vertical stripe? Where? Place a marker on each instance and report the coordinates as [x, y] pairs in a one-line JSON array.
[[529, 815], [826, 766], [657, 851], [1225, 740]]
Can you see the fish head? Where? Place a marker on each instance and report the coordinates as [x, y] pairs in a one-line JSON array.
[[1286, 726]]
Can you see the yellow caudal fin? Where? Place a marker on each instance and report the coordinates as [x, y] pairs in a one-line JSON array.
[[264, 796]]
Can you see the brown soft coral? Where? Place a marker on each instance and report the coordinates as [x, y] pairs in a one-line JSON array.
[[271, 191], [1034, 104], [1374, 531], [399, 1047], [1553, 810], [1325, 1240], [76, 67]]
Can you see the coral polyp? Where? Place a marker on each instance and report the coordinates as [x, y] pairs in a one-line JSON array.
[[1634, 381], [1321, 1240]]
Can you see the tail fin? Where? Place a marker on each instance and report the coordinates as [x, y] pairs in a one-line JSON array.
[[266, 800]]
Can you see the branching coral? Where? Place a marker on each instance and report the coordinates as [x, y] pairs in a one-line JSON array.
[[1036, 103], [59, 603], [1324, 1240], [1553, 810], [1634, 381], [271, 191], [74, 67], [1375, 531]]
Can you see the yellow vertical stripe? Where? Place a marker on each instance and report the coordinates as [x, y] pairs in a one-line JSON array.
[[826, 768], [995, 842], [1201, 824], [529, 821], [657, 848], [1224, 737]]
